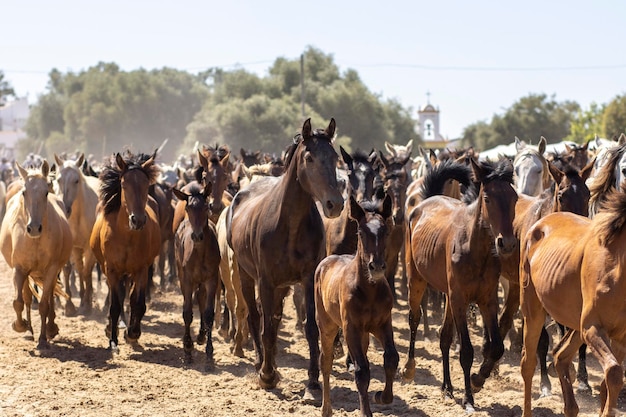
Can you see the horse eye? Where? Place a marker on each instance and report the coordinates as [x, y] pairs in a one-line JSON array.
[[308, 157], [486, 199]]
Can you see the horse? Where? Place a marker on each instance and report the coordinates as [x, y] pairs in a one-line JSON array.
[[452, 247], [36, 241], [126, 237], [609, 178], [197, 261], [532, 174], [352, 294], [276, 232], [80, 198], [573, 269]]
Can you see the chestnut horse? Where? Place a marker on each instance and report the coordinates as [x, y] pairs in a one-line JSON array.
[[454, 247], [80, 197], [573, 269], [126, 237], [352, 294], [197, 261], [277, 235], [36, 241]]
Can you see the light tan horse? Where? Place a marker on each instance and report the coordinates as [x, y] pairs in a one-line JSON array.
[[36, 241], [573, 269], [80, 197]]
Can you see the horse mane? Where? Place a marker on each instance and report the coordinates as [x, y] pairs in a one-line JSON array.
[[360, 157], [603, 184], [435, 180], [111, 176], [610, 221]]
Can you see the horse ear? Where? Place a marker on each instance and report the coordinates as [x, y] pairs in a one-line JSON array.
[[622, 139], [586, 171], [390, 149], [542, 145], [224, 160], [203, 161], [356, 211], [120, 162], [330, 130], [568, 148], [306, 129], [182, 196], [556, 173], [387, 207], [242, 152], [79, 162], [409, 146], [45, 168], [479, 172], [20, 169], [586, 145], [346, 158], [58, 160], [519, 145]]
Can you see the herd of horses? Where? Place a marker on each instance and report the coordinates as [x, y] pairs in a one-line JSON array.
[[548, 228]]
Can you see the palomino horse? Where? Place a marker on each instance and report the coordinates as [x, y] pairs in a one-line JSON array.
[[126, 237], [352, 294], [36, 241], [197, 261], [573, 269], [452, 247], [277, 234], [532, 174], [80, 197]]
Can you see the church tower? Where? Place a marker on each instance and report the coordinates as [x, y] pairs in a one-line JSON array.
[[428, 129]]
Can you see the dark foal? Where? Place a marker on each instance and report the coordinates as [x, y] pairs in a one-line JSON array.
[[352, 294]]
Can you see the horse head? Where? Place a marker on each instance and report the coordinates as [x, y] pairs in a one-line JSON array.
[[316, 162], [498, 199], [197, 207], [69, 180], [361, 173], [35, 196], [135, 179], [571, 192], [531, 169], [396, 181]]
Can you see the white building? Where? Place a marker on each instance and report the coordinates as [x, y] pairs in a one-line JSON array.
[[429, 127], [13, 116]]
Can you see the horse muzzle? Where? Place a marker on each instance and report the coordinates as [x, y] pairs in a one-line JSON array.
[[506, 246], [34, 229], [332, 208], [136, 222], [197, 237]]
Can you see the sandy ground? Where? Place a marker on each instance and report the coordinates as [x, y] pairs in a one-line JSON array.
[[77, 376]]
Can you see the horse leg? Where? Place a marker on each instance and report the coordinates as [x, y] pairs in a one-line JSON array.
[[70, 309], [417, 287], [563, 355], [45, 305], [493, 346], [511, 306], [208, 315], [271, 306], [20, 279], [542, 353], [117, 292], [390, 363], [424, 312], [85, 274], [600, 343], [187, 290], [445, 341], [534, 318], [328, 332], [358, 343], [312, 336], [137, 305], [582, 375], [254, 319], [149, 287]]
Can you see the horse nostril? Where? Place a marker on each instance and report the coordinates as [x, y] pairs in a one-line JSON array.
[[330, 205], [500, 242], [39, 229], [29, 229]]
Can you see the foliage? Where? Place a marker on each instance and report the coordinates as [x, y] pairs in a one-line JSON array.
[[586, 124], [5, 87], [614, 117], [529, 118]]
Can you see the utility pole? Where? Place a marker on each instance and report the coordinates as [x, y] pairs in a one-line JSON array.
[[302, 84]]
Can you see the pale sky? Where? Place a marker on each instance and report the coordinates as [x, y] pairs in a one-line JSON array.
[[476, 58]]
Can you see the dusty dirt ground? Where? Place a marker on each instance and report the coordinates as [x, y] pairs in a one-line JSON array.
[[77, 376]]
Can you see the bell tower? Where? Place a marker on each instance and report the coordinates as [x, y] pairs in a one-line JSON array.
[[428, 129]]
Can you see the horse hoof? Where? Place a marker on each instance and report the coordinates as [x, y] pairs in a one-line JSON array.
[[545, 392], [224, 334], [469, 409], [238, 352], [70, 309], [121, 325], [43, 345], [477, 383], [84, 310], [311, 396], [583, 387], [130, 339], [20, 326], [379, 398], [52, 330], [552, 370], [201, 339], [268, 381], [408, 374], [113, 348]]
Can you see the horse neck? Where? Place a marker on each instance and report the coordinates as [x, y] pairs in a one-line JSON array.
[[295, 202], [478, 227]]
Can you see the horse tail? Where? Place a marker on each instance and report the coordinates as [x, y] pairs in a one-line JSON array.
[[435, 180]]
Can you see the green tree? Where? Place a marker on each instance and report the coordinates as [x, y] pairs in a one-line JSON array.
[[6, 89], [614, 118], [586, 124]]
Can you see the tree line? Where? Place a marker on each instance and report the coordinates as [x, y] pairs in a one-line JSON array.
[[104, 109]]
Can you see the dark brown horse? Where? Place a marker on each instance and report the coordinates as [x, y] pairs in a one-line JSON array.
[[197, 261], [126, 237], [352, 294], [277, 235], [453, 246], [573, 269]]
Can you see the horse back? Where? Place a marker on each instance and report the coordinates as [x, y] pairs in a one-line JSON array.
[[558, 236]]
